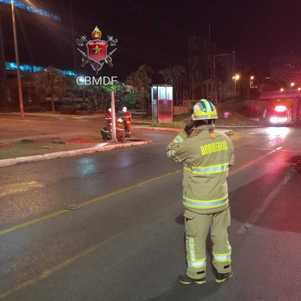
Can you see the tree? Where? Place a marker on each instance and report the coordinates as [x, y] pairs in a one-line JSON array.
[[174, 76], [130, 99], [51, 83], [141, 81]]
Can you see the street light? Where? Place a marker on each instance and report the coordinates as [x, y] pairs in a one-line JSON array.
[[20, 91], [282, 90], [251, 82], [293, 84], [236, 78]]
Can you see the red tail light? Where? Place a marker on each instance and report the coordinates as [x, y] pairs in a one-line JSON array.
[[280, 108]]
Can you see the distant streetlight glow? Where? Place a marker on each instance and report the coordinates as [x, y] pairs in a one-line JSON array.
[[251, 82], [31, 8], [236, 77], [282, 90], [293, 84], [299, 89], [29, 2]]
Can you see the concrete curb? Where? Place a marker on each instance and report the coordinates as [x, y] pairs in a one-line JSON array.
[[103, 147], [142, 127], [227, 131], [239, 126], [178, 129]]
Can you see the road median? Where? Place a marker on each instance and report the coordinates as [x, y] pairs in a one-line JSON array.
[[102, 147]]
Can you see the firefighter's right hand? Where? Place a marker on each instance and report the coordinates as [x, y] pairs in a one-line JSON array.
[[189, 128]]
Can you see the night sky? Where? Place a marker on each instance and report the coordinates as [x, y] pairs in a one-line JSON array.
[[155, 32]]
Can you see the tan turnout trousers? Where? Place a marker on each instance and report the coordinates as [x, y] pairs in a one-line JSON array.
[[197, 228]]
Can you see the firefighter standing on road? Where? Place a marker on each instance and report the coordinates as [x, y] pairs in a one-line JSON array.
[[127, 117], [106, 131], [206, 156], [108, 118]]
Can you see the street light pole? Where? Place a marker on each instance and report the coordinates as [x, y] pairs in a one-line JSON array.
[[113, 110], [236, 78], [20, 91], [235, 87]]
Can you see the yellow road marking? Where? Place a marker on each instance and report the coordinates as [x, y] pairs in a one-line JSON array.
[[19, 187], [84, 204], [91, 250], [49, 272], [250, 163], [33, 222]]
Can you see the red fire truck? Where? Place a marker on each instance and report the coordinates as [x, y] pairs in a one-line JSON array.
[[281, 107]]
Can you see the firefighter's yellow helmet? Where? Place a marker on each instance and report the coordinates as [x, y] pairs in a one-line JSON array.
[[204, 110]]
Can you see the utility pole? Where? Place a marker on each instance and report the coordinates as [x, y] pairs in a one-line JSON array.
[[72, 34], [233, 62], [3, 86], [114, 137], [20, 91], [210, 53]]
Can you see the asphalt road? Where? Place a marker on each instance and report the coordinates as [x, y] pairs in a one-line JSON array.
[[108, 226]]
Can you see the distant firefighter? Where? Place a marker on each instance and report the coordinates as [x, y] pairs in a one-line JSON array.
[[108, 118], [106, 132], [127, 117]]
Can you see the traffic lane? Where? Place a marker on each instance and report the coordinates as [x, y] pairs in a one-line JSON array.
[[255, 255], [152, 256], [29, 190], [28, 252], [268, 257], [32, 199], [271, 137], [57, 184], [83, 166], [106, 274], [72, 181], [253, 190], [266, 260], [48, 244]]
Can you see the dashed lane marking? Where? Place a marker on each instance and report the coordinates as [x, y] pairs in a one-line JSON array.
[[250, 163], [47, 273], [10, 189], [253, 219]]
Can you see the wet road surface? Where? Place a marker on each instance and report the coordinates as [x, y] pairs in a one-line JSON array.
[[108, 226]]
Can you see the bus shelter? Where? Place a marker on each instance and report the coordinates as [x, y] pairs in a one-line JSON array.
[[162, 103]]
